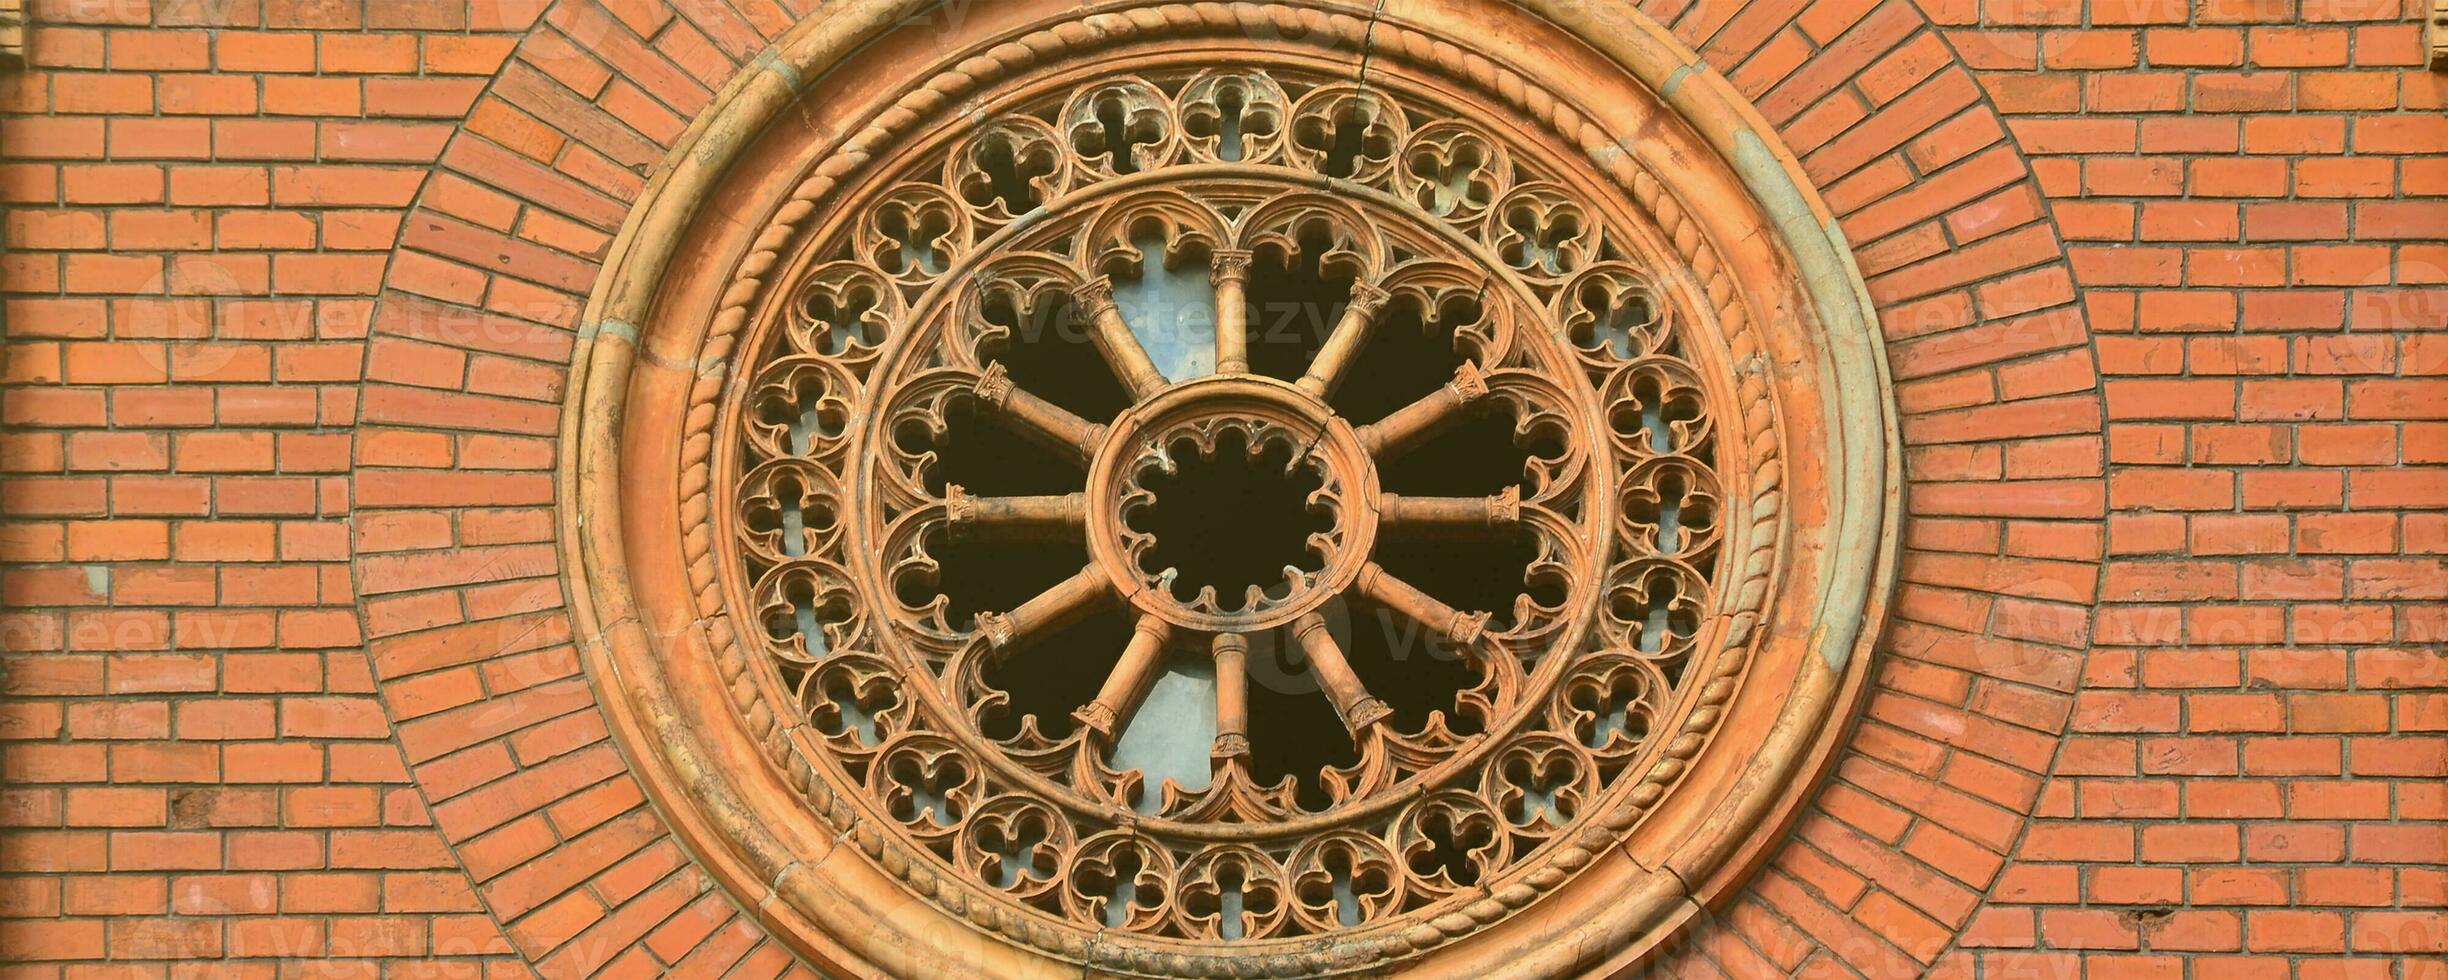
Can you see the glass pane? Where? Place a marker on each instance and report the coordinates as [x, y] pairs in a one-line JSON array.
[[1172, 311], [1170, 735]]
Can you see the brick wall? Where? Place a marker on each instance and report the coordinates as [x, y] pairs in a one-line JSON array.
[[2251, 194], [201, 200], [289, 291]]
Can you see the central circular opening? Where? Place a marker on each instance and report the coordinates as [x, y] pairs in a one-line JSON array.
[[1237, 520]]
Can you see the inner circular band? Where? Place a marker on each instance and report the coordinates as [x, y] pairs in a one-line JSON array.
[[1175, 450]]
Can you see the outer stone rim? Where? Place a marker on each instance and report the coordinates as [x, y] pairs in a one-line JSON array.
[[787, 873]]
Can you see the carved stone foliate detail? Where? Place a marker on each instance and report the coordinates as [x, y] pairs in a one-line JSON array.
[[928, 339]]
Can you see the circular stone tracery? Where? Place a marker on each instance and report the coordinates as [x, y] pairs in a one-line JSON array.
[[1101, 264], [1527, 412], [1052, 279]]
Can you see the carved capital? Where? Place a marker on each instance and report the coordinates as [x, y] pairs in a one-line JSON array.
[[1467, 628], [1468, 383], [1094, 297], [1097, 717], [995, 386], [1230, 746], [1230, 266], [1366, 300], [960, 506], [1504, 509], [1367, 712], [997, 629]]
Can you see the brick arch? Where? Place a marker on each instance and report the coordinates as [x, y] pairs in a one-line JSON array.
[[2002, 420], [465, 364], [466, 633]]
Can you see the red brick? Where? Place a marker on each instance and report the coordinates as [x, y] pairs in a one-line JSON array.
[[2209, 364]]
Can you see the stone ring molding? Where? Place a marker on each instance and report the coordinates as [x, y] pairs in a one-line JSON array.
[[971, 403]]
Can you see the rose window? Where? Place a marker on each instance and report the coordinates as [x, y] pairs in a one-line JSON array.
[[1180, 464], [1161, 500]]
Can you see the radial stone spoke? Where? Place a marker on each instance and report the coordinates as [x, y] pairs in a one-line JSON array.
[[1349, 336], [1351, 698], [1382, 587], [1451, 516], [1115, 340], [1046, 614], [1421, 420], [1049, 424], [1231, 697], [1130, 680], [1230, 275], [1049, 518]]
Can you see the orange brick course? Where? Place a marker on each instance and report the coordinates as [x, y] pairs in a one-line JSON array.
[[290, 288]]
